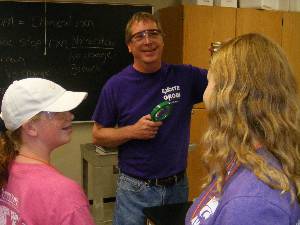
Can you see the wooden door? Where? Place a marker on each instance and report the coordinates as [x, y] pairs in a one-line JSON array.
[[171, 19], [265, 22], [201, 26], [197, 26], [195, 169], [291, 41], [224, 20]]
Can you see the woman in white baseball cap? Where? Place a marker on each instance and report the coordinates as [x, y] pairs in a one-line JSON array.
[[35, 120]]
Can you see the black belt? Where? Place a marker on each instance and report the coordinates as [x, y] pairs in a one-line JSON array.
[[166, 181]]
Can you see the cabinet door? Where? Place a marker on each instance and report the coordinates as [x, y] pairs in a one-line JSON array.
[[195, 169], [224, 20], [265, 22], [291, 41], [201, 26], [171, 19]]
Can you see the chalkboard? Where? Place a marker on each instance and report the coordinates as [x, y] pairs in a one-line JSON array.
[[77, 45]]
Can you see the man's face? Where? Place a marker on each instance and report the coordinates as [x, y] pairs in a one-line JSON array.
[[146, 45]]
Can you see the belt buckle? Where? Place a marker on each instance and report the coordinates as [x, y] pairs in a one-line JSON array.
[[156, 182], [175, 178], [168, 181], [148, 182], [165, 182]]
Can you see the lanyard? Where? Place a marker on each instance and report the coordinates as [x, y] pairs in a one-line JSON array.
[[231, 167]]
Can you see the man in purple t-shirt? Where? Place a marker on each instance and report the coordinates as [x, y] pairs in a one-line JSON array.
[[152, 155]]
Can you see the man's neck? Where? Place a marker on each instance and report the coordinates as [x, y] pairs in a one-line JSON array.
[[147, 68]]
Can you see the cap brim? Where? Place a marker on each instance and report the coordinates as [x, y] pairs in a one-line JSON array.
[[68, 101]]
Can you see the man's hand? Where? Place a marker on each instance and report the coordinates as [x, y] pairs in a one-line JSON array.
[[145, 128]]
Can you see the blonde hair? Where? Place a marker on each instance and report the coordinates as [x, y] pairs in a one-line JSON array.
[[255, 95], [138, 17]]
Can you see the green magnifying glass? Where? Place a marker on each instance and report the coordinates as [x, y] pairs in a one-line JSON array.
[[161, 111]]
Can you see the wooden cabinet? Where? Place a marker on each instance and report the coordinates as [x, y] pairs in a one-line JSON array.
[[171, 19], [195, 170], [291, 41], [281, 27], [203, 25], [265, 22], [189, 31]]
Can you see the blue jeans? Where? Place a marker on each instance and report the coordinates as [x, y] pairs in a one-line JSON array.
[[133, 195]]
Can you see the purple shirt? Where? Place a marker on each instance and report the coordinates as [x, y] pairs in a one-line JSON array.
[[129, 95], [246, 200]]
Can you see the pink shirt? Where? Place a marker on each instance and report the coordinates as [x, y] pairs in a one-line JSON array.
[[37, 194]]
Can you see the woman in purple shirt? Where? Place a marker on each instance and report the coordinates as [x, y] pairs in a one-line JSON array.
[[253, 140]]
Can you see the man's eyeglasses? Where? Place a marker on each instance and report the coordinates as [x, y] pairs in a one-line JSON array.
[[151, 34]]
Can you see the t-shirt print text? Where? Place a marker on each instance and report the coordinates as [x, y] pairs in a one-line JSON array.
[[207, 211], [171, 94], [9, 209]]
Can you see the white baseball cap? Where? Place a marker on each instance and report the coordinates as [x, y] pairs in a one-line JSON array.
[[26, 98]]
